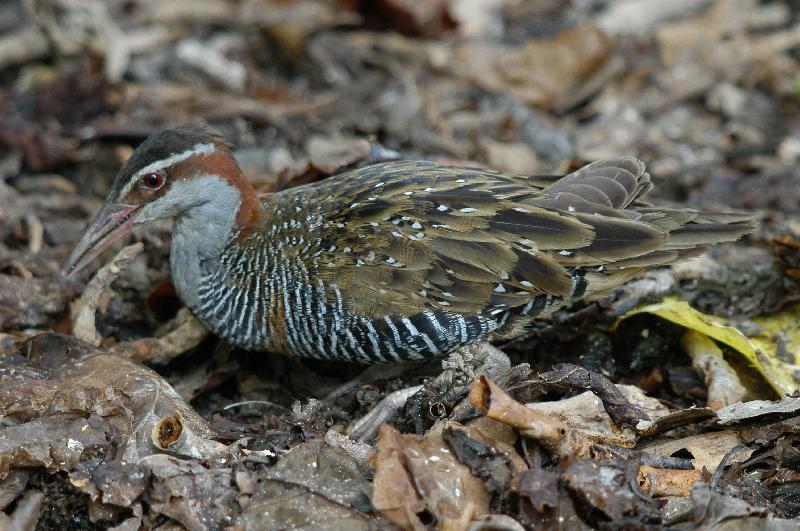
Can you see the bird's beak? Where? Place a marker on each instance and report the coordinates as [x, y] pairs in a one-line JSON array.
[[112, 223]]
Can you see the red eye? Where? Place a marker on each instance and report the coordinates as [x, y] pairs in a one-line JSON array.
[[153, 181]]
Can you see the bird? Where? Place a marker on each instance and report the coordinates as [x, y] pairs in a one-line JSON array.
[[392, 262]]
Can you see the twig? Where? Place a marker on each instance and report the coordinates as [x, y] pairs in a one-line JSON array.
[[35, 233], [186, 332], [83, 326], [724, 387]]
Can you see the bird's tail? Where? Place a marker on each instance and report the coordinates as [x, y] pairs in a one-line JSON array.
[[631, 236]]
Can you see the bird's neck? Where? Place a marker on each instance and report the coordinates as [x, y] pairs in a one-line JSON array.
[[201, 234]]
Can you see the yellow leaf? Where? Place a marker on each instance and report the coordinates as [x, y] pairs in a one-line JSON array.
[[774, 352]]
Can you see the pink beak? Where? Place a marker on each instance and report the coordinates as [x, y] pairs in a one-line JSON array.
[[112, 223]]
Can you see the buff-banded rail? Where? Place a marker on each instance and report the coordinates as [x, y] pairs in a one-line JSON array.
[[395, 261]]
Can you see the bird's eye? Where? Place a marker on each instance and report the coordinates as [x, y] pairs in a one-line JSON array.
[[153, 180]]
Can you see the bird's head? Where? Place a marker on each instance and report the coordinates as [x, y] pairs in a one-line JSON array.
[[166, 177]]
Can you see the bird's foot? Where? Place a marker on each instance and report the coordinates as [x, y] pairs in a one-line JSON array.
[[440, 396]]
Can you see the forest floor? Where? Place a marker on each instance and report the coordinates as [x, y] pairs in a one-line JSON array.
[[118, 410]]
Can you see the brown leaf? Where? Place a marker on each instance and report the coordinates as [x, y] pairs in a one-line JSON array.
[[30, 302], [414, 473], [62, 382], [605, 486], [393, 492], [497, 405], [311, 475], [541, 72]]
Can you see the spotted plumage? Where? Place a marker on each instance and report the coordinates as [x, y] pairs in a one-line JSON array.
[[396, 261]]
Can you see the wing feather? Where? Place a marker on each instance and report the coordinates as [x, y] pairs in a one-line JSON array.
[[405, 237]]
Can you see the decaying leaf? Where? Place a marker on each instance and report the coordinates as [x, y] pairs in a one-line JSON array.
[[605, 486], [312, 474], [545, 72], [66, 402], [552, 430], [660, 482], [774, 351], [29, 302], [623, 412], [62, 376], [416, 474], [83, 326]]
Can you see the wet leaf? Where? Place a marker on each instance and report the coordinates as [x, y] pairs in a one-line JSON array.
[[314, 475], [774, 351], [414, 474]]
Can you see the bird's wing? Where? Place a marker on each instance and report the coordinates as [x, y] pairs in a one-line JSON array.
[[399, 238]]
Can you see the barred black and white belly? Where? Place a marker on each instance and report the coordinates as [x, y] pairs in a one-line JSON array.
[[300, 321], [253, 300], [283, 309]]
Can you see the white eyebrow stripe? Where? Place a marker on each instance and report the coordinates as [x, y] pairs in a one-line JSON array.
[[198, 149]]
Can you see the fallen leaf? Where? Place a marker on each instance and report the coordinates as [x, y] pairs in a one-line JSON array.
[[542, 72], [414, 473], [774, 352]]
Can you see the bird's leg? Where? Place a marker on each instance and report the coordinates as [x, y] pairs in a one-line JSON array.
[[440, 395], [369, 375]]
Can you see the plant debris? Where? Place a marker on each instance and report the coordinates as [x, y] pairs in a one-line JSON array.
[[671, 404]]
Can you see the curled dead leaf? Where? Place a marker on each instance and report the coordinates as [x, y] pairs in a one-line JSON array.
[[669, 482], [497, 405], [168, 430]]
